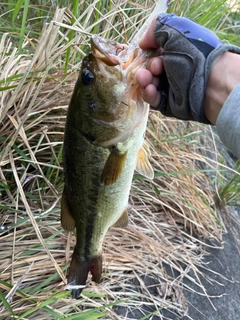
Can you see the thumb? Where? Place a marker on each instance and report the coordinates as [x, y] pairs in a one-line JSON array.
[[148, 40]]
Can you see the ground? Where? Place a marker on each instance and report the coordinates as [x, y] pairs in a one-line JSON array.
[[224, 290]]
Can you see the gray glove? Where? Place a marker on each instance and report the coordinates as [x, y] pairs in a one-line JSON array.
[[188, 53]]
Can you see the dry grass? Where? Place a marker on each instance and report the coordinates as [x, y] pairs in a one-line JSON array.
[[170, 217]]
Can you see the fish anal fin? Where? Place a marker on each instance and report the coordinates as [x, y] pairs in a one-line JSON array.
[[122, 221], [143, 165], [113, 168], [67, 220]]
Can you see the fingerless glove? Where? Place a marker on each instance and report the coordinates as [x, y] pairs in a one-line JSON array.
[[189, 51]]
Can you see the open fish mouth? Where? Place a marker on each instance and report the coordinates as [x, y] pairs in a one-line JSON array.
[[110, 52]]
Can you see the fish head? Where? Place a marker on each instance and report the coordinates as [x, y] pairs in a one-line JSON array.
[[105, 101]]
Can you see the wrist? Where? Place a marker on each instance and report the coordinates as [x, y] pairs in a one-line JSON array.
[[224, 76]]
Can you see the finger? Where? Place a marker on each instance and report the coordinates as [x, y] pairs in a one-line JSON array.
[[144, 77], [151, 95], [155, 66], [148, 40]]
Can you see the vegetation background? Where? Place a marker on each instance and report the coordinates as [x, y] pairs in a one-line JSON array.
[[41, 47]]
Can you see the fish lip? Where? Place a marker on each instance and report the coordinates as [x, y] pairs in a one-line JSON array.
[[105, 50]]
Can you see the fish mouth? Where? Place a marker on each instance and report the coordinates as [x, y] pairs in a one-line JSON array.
[[108, 51], [114, 60]]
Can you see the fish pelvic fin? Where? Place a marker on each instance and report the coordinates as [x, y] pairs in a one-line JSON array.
[[113, 167], [67, 220], [122, 222], [78, 272], [143, 165]]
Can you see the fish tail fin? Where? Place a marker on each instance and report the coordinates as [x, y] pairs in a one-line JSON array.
[[79, 269], [95, 267]]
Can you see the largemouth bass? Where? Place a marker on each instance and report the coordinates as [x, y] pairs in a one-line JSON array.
[[103, 144]]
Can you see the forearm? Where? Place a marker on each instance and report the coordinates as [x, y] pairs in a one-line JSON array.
[[222, 100], [224, 76]]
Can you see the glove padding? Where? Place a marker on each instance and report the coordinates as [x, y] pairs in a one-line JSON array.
[[188, 53]]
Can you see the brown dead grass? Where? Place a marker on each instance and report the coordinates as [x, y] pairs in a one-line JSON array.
[[170, 217]]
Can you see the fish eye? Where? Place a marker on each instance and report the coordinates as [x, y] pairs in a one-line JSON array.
[[87, 77]]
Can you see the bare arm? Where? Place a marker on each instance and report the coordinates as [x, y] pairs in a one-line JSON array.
[[223, 78]]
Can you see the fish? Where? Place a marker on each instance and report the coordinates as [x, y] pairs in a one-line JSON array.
[[103, 145]]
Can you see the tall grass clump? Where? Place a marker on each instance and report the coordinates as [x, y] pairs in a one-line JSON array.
[[41, 49]]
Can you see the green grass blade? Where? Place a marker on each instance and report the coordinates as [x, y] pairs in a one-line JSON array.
[[71, 33], [18, 7], [23, 27], [44, 304], [6, 304], [46, 282], [94, 313]]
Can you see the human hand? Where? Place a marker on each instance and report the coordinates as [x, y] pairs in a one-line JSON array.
[[188, 52], [149, 78], [149, 81]]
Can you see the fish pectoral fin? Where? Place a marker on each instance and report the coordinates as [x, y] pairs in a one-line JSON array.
[[113, 168], [67, 220], [143, 165], [122, 221]]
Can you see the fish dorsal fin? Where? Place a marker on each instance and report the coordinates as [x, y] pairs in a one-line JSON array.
[[122, 221], [143, 165], [67, 220], [113, 168]]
